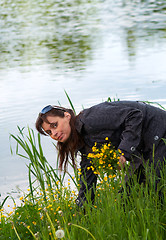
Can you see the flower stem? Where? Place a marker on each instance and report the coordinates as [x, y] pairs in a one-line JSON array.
[[52, 226], [16, 232]]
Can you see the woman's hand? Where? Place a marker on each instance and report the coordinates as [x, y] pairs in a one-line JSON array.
[[122, 161]]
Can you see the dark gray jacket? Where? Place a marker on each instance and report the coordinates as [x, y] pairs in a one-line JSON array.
[[133, 127]]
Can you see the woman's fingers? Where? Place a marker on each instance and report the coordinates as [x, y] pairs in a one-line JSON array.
[[122, 161]]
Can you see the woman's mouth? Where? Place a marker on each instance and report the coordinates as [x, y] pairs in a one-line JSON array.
[[60, 137]]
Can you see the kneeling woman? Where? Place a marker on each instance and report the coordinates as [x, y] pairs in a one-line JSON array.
[[133, 127]]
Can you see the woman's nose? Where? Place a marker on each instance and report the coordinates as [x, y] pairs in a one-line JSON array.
[[54, 133]]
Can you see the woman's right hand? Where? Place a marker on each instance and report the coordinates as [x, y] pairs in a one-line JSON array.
[[122, 161]]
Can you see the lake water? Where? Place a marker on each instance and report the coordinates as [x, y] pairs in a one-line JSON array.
[[92, 49]]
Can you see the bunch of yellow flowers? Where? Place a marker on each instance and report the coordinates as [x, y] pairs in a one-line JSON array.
[[105, 160]]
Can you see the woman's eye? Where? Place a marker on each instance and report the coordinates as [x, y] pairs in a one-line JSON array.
[[53, 125], [48, 132]]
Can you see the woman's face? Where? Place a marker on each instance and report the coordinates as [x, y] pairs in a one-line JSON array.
[[58, 128]]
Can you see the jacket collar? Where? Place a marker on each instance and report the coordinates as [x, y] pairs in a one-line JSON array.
[[79, 122]]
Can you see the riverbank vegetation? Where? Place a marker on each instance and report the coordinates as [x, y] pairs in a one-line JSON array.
[[47, 210]]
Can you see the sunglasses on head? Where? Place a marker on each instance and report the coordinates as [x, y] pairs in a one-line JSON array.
[[49, 108]]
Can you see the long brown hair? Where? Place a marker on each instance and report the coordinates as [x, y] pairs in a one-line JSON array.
[[66, 149]]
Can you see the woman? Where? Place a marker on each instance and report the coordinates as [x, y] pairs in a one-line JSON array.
[[136, 128]]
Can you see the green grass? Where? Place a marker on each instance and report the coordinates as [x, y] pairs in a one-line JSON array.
[[49, 204]]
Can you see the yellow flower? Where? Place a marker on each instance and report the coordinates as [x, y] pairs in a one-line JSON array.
[[91, 155], [103, 150], [94, 149], [101, 161], [106, 138], [105, 146], [92, 168], [105, 178], [58, 208], [21, 198]]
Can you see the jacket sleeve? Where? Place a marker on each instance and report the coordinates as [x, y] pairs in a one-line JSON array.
[[132, 132], [88, 182]]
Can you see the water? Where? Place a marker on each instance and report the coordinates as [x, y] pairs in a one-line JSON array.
[[92, 49]]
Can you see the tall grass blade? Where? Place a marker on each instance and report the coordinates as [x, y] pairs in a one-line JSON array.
[[30, 232], [71, 104], [155, 103], [84, 230], [1, 205], [30, 181]]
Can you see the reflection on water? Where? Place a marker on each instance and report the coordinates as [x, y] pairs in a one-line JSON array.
[[58, 31], [68, 32], [92, 49]]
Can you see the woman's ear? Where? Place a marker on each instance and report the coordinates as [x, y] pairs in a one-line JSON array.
[[67, 115]]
